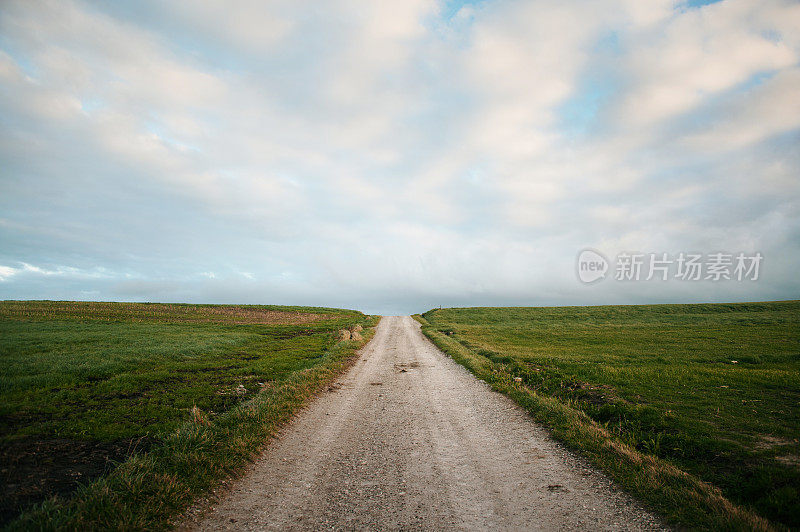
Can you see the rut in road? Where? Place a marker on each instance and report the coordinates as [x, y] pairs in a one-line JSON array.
[[410, 439]]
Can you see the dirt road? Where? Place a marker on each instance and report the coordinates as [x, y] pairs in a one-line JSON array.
[[409, 439]]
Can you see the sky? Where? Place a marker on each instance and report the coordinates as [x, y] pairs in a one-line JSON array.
[[395, 156]]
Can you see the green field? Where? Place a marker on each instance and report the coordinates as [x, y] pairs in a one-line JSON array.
[[711, 389], [87, 385]]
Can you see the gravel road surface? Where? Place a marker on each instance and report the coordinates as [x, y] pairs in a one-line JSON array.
[[408, 439]]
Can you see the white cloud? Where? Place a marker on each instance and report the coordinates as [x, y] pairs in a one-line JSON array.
[[253, 26], [698, 53], [6, 272], [522, 62], [767, 110], [357, 151]]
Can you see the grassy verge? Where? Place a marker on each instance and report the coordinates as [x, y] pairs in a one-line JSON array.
[[692, 408], [205, 391]]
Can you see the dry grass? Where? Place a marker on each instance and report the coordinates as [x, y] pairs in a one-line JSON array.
[[161, 313]]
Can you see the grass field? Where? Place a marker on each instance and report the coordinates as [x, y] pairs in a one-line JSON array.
[[87, 385], [712, 390]]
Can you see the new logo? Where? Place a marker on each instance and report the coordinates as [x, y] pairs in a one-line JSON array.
[[592, 266]]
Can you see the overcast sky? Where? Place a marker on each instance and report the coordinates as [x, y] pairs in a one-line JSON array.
[[394, 156]]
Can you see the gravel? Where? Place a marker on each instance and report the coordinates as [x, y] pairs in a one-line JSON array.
[[408, 439]]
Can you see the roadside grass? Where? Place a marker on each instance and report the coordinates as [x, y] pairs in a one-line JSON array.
[[182, 396], [693, 408]]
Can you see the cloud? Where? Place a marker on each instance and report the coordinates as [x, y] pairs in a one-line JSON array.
[[769, 109], [6, 272], [251, 28], [391, 155], [699, 53]]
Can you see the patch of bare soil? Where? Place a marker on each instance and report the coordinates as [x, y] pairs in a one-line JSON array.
[[791, 460], [244, 315], [33, 470], [767, 441]]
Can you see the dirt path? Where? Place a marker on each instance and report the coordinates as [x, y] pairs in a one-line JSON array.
[[409, 439]]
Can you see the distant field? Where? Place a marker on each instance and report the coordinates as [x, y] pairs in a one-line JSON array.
[[84, 385], [711, 389]]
